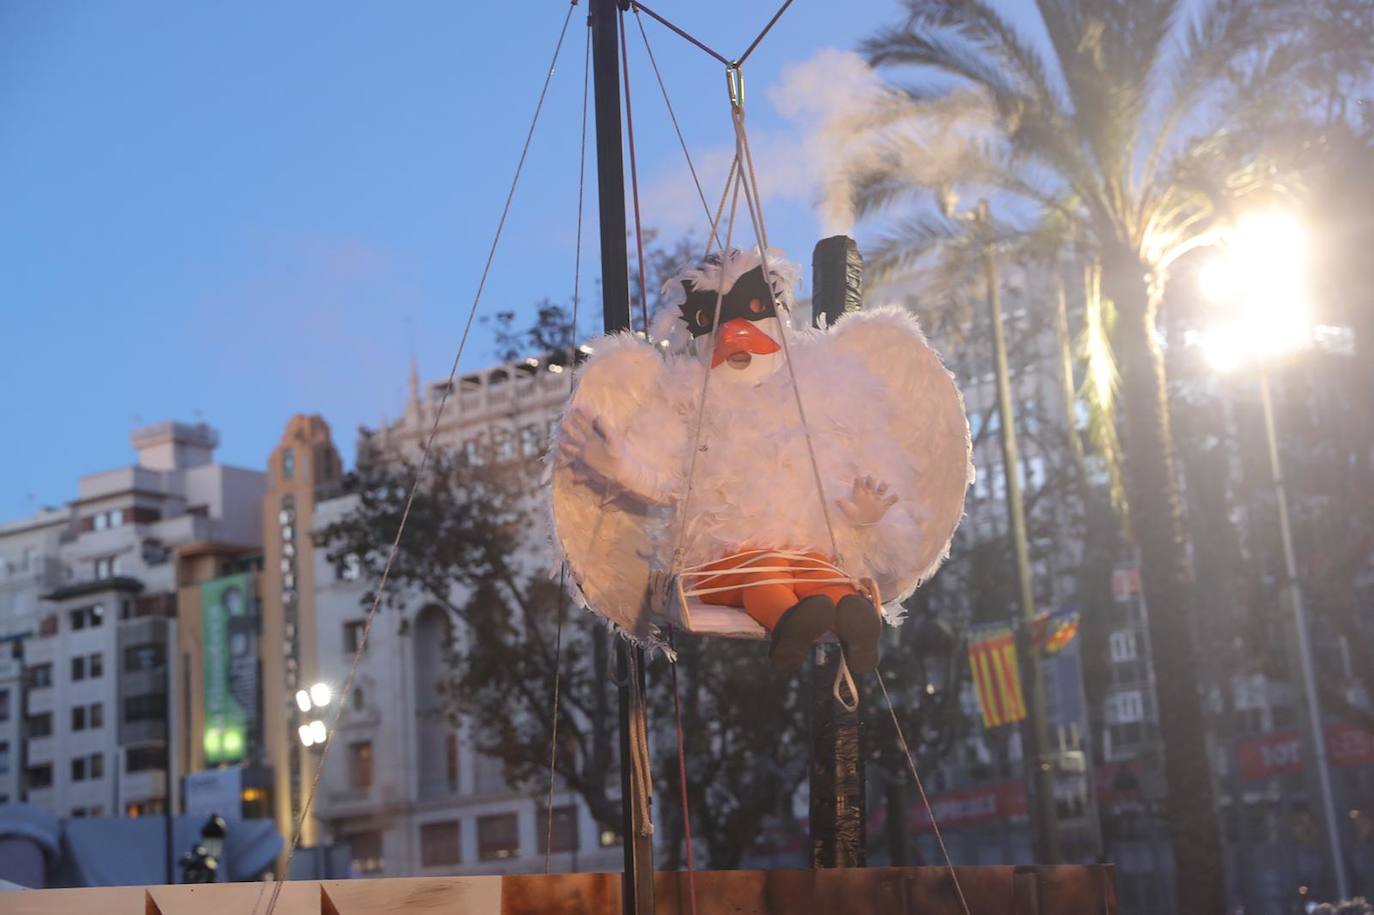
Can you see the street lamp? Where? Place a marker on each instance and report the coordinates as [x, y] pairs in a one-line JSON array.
[[313, 732], [1258, 280], [1039, 767]]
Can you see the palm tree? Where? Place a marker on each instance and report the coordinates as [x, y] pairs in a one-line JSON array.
[[1126, 132]]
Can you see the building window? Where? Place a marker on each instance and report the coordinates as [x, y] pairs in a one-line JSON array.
[[439, 844], [97, 765], [152, 707], [358, 701], [353, 636], [365, 849], [144, 758], [107, 567], [39, 725], [498, 837], [38, 776], [96, 716], [474, 452], [4, 705], [38, 676], [4, 757], [79, 668], [564, 829], [530, 445], [144, 656], [360, 764], [79, 769], [288, 463], [1122, 645], [98, 521], [116, 517], [1129, 707], [96, 665], [505, 447], [87, 616], [79, 718]]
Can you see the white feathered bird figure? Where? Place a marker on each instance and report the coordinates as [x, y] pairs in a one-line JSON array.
[[660, 469]]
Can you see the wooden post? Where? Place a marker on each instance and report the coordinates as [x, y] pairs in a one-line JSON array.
[[837, 764], [637, 882]]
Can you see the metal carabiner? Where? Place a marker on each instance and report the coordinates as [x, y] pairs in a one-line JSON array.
[[734, 83]]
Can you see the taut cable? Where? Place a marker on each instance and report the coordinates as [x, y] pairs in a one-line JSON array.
[[925, 801], [572, 370], [419, 472]]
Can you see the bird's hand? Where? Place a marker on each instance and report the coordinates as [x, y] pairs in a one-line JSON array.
[[587, 439], [867, 502]]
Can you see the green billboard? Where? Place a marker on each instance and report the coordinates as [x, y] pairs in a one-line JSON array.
[[229, 661]]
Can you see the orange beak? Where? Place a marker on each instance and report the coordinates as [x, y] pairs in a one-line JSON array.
[[741, 336]]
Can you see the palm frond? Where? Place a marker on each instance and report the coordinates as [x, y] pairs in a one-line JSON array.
[[1100, 380], [902, 246], [1234, 60]]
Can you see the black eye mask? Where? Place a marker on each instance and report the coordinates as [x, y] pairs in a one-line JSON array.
[[750, 298]]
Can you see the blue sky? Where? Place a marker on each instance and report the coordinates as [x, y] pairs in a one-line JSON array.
[[239, 211]]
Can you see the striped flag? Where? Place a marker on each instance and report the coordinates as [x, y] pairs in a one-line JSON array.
[[997, 677]]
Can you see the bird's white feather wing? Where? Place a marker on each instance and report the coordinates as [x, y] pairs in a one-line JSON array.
[[604, 534], [928, 426]]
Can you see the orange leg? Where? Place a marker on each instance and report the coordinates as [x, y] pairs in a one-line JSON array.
[[767, 603], [832, 590]]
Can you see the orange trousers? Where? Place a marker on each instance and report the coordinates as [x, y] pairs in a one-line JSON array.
[[767, 603]]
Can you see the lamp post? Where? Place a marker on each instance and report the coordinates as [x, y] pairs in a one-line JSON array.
[[1036, 734], [1259, 277]]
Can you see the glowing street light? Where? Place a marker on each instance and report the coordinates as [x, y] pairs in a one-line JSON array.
[[312, 733], [316, 697], [1259, 285], [320, 694]]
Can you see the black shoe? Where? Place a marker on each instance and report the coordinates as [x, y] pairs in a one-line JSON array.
[[808, 620], [859, 626]]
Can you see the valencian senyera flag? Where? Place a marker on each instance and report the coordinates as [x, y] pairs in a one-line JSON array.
[[997, 676]]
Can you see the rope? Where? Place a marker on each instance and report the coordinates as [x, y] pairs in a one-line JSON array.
[[737, 177], [419, 473], [925, 801], [688, 36], [680, 32], [634, 178], [766, 29], [672, 115], [553, 729], [844, 678], [682, 781], [755, 207], [563, 568]]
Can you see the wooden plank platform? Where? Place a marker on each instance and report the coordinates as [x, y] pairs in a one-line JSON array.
[[1065, 890]]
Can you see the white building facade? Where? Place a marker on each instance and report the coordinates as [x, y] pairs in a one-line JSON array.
[[404, 788], [100, 661]]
